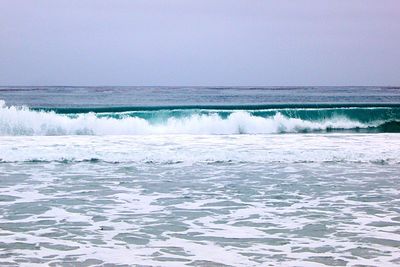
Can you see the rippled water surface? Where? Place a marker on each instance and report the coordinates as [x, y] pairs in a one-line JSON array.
[[158, 176], [249, 210]]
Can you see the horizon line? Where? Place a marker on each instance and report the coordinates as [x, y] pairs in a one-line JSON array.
[[208, 86]]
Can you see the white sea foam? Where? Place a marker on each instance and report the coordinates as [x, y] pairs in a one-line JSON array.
[[23, 121], [381, 148], [243, 214]]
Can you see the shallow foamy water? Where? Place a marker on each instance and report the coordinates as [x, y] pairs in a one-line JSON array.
[[292, 200]]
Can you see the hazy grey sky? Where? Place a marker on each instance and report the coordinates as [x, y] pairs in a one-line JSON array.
[[203, 42]]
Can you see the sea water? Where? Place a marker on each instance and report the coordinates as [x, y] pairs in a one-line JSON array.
[[158, 176]]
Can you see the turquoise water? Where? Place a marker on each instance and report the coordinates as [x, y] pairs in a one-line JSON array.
[[199, 176], [20, 120]]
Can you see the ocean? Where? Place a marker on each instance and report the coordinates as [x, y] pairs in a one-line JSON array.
[[199, 176]]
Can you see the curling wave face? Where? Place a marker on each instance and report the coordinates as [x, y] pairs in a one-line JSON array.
[[24, 121]]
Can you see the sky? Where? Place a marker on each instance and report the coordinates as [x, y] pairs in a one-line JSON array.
[[200, 43]]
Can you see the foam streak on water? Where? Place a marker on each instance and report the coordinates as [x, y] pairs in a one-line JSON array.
[[304, 214], [188, 200], [156, 176], [384, 148]]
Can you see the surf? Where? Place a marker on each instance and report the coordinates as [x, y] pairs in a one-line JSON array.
[[23, 121]]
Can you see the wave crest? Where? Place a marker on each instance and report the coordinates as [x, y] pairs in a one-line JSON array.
[[24, 121]]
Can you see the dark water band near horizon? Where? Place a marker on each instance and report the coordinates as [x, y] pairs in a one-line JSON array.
[[161, 96], [199, 176]]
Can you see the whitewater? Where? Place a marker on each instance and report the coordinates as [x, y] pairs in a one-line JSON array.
[[131, 176], [24, 121]]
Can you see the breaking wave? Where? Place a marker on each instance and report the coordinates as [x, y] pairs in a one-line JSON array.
[[24, 121]]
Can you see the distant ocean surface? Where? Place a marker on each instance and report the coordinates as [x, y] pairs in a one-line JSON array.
[[200, 176]]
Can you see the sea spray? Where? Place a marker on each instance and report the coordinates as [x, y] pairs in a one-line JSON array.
[[24, 121]]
